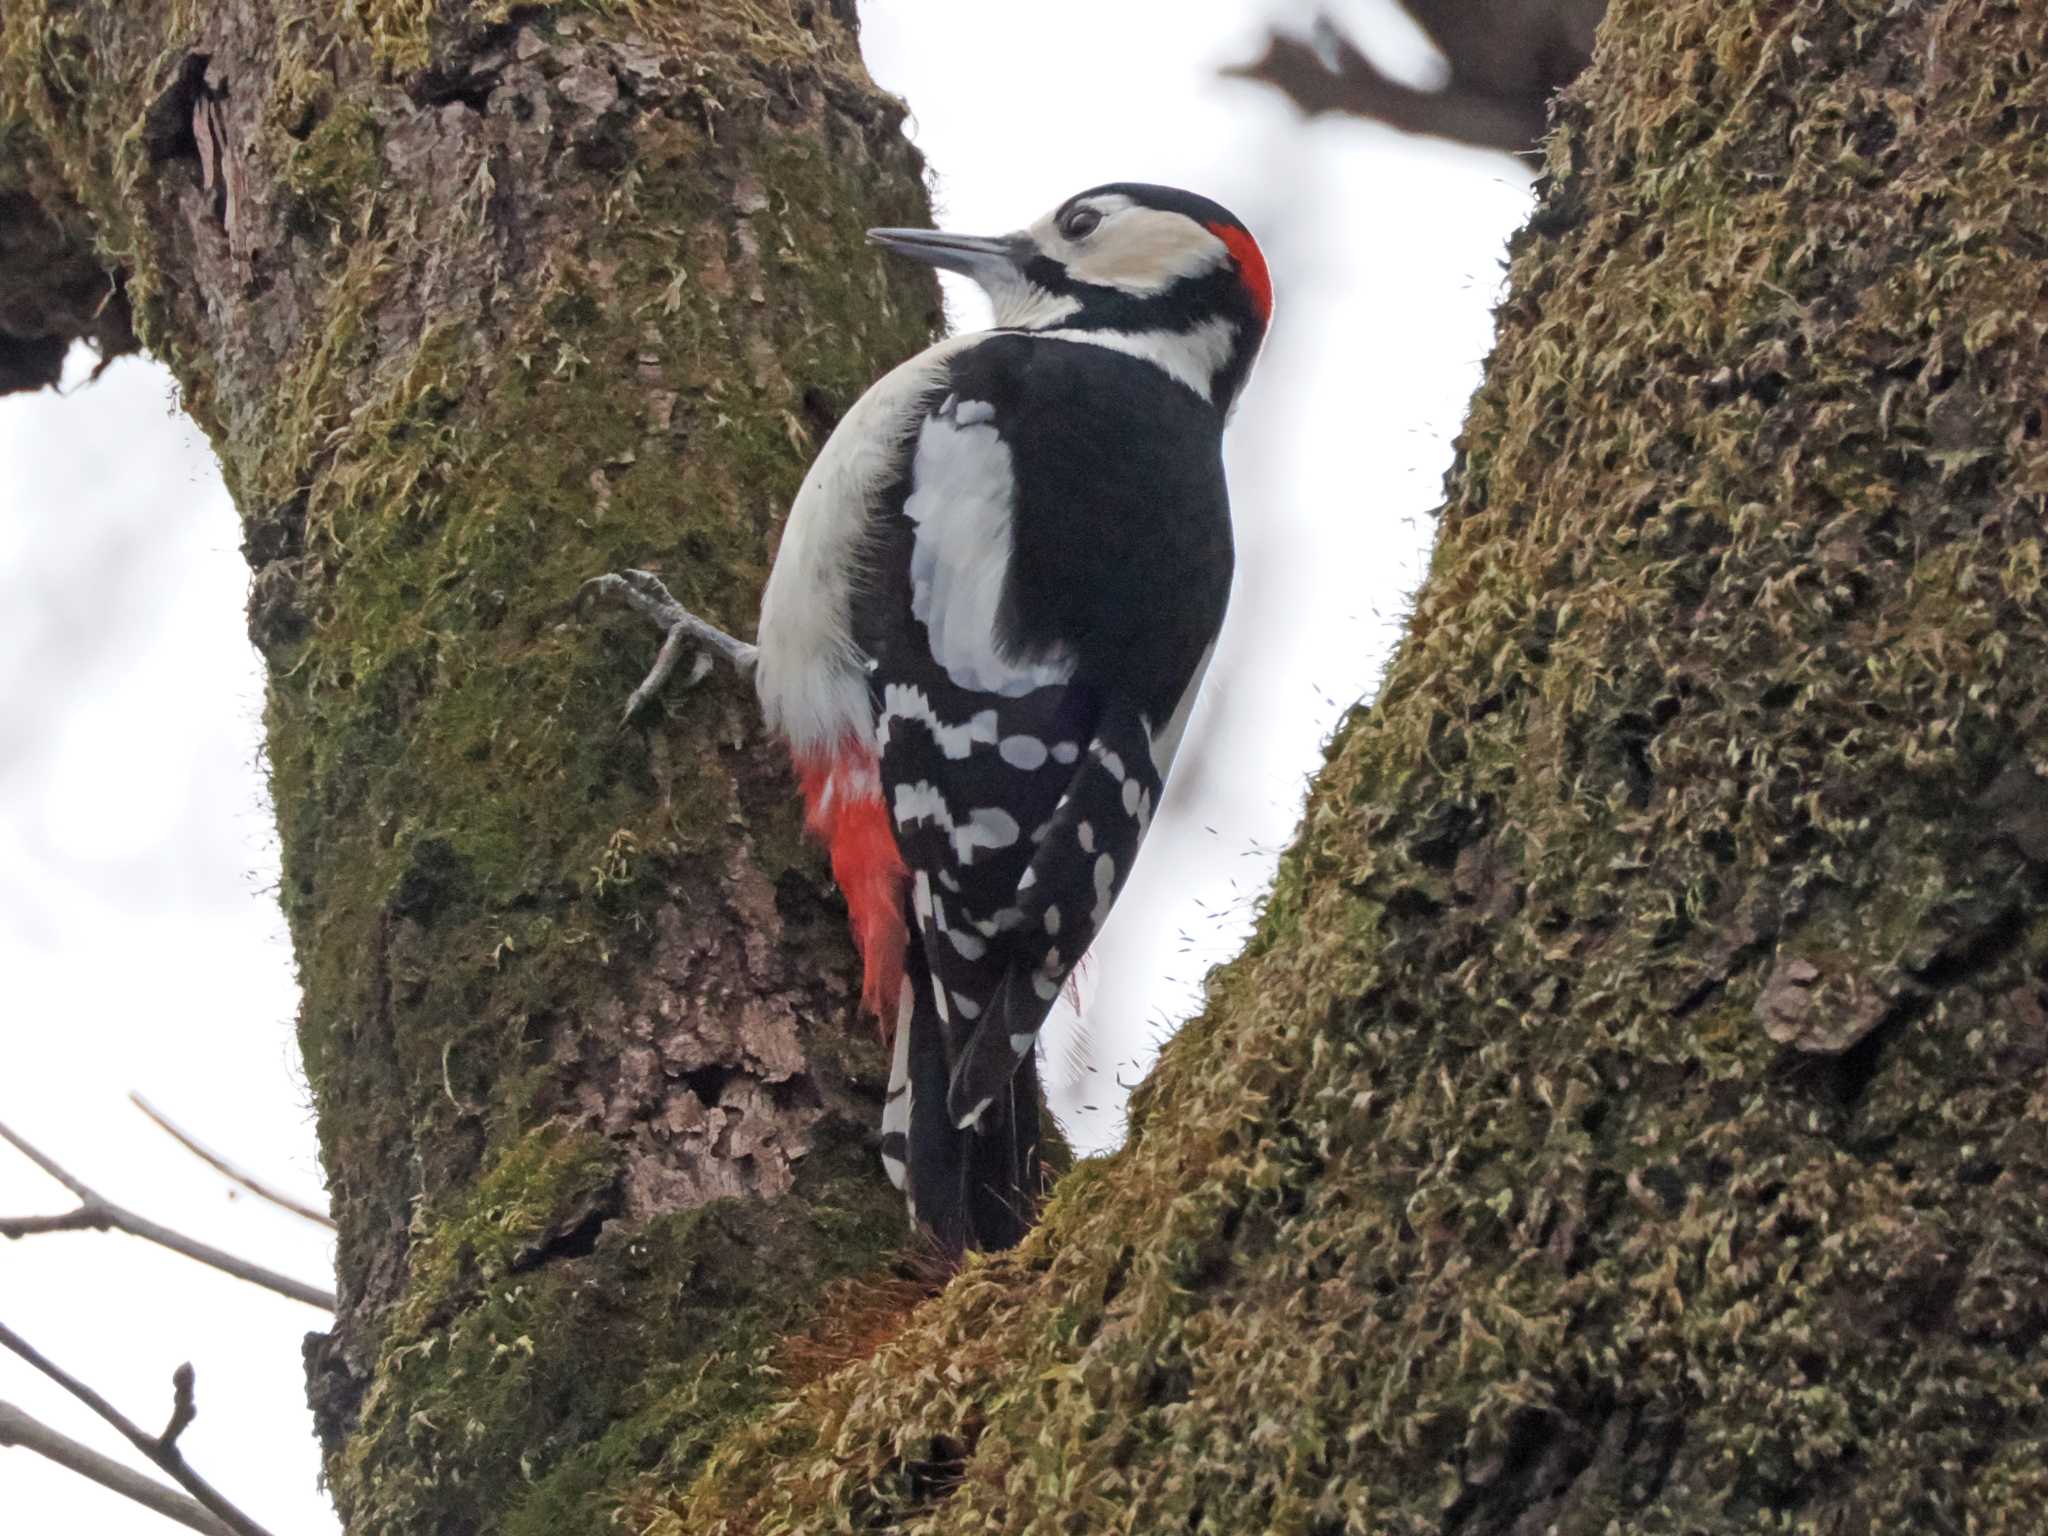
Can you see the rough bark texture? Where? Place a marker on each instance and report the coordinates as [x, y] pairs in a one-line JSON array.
[[475, 302], [1632, 1114]]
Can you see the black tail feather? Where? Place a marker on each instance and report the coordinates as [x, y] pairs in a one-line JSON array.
[[1000, 1169], [973, 1187]]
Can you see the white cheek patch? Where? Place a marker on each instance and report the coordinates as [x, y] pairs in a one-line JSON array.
[[1022, 306], [1144, 251]]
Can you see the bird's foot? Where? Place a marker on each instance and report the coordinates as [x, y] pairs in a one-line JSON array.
[[682, 630]]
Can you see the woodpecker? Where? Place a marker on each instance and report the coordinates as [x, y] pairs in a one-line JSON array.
[[996, 596]]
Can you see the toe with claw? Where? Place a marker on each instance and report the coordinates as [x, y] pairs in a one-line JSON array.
[[682, 630]]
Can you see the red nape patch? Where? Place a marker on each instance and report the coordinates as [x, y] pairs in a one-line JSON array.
[[843, 809], [1251, 266]]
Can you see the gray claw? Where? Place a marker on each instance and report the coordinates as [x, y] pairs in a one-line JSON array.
[[644, 593]]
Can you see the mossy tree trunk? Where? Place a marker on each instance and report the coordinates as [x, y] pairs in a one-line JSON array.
[[476, 301], [1632, 1113]]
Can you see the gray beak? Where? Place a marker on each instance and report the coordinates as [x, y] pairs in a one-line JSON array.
[[979, 256]]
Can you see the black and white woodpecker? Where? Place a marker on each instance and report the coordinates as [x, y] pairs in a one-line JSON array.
[[998, 590]]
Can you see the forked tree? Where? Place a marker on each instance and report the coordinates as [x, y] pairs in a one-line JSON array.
[[1629, 1114]]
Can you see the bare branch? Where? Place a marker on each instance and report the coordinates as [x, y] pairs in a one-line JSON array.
[[160, 1451], [221, 1165], [1506, 59], [31, 1434], [86, 1195], [87, 1218], [99, 1213], [184, 1405]]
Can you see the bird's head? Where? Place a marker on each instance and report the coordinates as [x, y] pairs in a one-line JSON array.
[[1148, 269]]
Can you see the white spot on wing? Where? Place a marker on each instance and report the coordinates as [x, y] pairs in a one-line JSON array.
[[905, 701], [985, 827], [1026, 752]]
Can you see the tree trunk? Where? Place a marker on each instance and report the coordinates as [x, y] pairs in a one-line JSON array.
[[476, 302]]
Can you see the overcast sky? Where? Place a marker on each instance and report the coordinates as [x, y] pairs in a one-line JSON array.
[[139, 942]]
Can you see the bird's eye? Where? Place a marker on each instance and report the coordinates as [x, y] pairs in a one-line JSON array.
[[1080, 223]]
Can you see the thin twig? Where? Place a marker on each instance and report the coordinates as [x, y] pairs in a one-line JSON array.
[[184, 1405], [160, 1451], [87, 1218], [221, 1165], [32, 1434], [98, 1212]]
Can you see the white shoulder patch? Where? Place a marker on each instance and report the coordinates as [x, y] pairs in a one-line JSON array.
[[962, 493], [811, 676]]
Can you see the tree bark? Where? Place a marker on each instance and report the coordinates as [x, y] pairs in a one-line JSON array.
[[475, 302]]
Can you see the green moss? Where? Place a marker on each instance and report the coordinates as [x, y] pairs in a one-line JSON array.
[[335, 166], [550, 1178], [489, 1377]]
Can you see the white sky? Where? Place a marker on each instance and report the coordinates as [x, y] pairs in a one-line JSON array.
[[139, 943]]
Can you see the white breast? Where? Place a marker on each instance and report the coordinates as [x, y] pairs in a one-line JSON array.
[[811, 676]]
